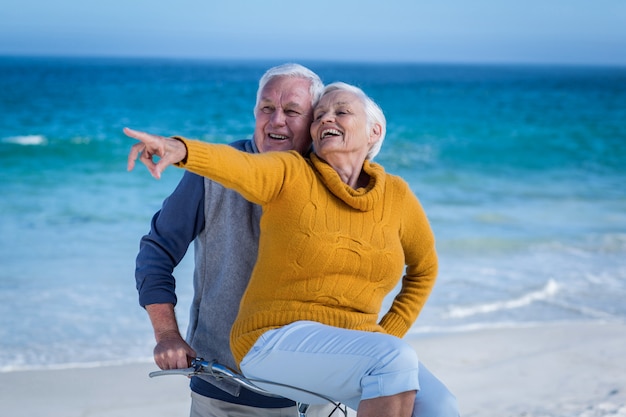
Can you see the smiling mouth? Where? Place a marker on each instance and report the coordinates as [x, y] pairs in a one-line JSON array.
[[330, 132], [277, 137]]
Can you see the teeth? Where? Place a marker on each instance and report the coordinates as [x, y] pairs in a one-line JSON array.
[[330, 132], [279, 137]]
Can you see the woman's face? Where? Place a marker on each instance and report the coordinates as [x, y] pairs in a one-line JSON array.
[[340, 127]]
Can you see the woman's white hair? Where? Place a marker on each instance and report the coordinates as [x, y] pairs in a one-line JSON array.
[[295, 71], [373, 112]]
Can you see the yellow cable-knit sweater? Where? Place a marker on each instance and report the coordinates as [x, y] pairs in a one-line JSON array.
[[327, 252]]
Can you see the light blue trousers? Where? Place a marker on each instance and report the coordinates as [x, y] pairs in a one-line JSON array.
[[345, 365]]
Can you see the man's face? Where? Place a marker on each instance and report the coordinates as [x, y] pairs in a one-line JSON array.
[[284, 115]]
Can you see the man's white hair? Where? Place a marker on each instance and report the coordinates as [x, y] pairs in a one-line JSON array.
[[295, 71]]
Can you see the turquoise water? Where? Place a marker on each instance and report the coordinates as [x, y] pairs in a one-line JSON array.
[[521, 171]]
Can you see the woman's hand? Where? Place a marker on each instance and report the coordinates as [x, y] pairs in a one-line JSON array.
[[169, 151]]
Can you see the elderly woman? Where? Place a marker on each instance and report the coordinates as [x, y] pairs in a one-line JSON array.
[[337, 234]]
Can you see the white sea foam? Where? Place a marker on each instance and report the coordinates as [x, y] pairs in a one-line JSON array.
[[585, 311], [548, 291], [426, 331], [72, 365], [26, 140], [472, 327]]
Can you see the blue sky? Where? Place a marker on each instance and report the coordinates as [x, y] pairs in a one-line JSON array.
[[501, 31]]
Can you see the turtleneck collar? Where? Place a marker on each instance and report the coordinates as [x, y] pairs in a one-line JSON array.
[[363, 198]]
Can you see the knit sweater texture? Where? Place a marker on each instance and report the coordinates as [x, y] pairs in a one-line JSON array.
[[327, 252]]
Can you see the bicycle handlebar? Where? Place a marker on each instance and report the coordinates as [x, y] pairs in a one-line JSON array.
[[218, 371], [201, 367]]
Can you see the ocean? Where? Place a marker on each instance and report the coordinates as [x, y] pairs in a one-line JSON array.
[[521, 170]]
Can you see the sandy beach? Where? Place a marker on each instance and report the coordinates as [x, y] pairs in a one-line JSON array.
[[550, 370], [562, 370]]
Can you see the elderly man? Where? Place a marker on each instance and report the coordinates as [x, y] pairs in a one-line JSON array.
[[225, 228]]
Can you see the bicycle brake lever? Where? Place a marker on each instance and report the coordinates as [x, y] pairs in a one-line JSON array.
[[185, 371], [198, 366]]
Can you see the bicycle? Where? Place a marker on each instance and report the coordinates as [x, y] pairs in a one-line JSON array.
[[218, 371]]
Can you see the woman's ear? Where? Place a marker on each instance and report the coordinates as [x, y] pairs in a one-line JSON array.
[[375, 132]]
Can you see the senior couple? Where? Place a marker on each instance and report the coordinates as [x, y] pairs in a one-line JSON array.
[[295, 251]]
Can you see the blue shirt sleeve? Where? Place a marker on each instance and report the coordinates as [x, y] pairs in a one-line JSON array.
[[172, 230]]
